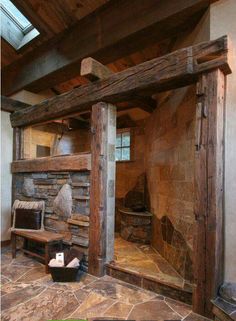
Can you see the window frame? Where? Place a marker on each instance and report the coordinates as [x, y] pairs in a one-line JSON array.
[[13, 32], [125, 130]]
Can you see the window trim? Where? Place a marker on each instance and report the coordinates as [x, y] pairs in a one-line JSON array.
[[130, 130]]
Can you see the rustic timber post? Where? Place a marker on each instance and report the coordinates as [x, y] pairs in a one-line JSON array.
[[102, 191], [18, 143], [209, 186]]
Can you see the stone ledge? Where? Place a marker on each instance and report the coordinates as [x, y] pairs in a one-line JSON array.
[[77, 222]]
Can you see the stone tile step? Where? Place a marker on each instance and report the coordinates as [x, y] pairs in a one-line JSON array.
[[150, 283]]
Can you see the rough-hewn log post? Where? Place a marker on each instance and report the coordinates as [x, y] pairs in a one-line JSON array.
[[209, 189], [102, 200]]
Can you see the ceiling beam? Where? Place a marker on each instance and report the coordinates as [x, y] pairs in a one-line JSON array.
[[93, 70], [11, 105], [113, 31], [171, 71]]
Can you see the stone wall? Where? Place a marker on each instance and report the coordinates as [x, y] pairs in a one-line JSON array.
[[130, 173], [66, 196], [170, 178]]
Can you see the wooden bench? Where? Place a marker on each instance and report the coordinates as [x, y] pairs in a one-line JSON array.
[[43, 237]]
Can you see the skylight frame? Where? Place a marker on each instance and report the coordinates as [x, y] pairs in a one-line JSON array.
[[16, 29]]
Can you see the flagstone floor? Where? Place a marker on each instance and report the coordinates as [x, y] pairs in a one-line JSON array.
[[146, 260], [27, 294]]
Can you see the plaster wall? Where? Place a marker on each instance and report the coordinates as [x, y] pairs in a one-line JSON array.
[[223, 22], [6, 159], [6, 177]]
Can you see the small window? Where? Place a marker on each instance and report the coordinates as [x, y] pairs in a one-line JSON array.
[[16, 29], [123, 146]]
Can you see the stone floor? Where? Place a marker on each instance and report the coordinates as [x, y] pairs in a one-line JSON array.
[[28, 294], [146, 260]]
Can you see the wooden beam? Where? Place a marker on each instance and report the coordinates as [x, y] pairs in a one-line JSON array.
[[10, 105], [111, 32], [171, 71], [209, 187], [102, 188], [77, 162], [94, 70]]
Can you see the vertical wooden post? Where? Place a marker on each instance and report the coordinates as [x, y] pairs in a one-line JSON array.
[[17, 143], [17, 153], [102, 189], [209, 186]]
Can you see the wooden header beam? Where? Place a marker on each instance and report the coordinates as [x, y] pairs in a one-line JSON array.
[[171, 71], [11, 105], [94, 70], [77, 162]]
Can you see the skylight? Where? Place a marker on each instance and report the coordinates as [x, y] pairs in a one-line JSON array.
[[15, 27]]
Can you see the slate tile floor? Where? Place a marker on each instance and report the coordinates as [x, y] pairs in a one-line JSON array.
[[27, 294], [146, 260]]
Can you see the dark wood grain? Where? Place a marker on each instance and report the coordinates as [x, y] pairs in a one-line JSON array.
[[97, 231], [111, 32], [209, 187], [77, 162], [10, 105], [174, 70]]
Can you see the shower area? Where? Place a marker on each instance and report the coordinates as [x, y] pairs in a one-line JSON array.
[[154, 219]]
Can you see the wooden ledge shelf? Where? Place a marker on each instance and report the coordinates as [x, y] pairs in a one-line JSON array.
[[76, 162]]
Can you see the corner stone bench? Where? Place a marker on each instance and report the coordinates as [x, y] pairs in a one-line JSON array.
[[43, 237]]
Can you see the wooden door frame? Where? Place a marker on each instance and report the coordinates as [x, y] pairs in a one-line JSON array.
[[208, 203], [209, 189]]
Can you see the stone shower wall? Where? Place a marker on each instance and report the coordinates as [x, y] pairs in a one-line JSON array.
[[128, 173], [66, 196], [170, 178]]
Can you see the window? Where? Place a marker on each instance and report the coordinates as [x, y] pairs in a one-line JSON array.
[[123, 146], [16, 29]]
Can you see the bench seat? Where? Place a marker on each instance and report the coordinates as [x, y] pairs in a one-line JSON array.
[[45, 237]]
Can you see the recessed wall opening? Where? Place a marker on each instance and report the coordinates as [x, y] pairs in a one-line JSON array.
[[59, 137]]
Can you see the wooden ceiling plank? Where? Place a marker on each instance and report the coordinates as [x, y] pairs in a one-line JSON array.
[[111, 32], [177, 69]]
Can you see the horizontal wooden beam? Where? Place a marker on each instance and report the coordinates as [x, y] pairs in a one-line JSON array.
[[11, 105], [171, 71], [115, 30], [93, 70], [77, 162]]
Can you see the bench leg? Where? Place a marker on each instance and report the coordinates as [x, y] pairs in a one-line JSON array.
[[46, 257], [13, 245]]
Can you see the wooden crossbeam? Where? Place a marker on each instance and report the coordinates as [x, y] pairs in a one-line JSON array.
[[11, 105], [113, 31], [93, 70], [171, 71], [76, 162]]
